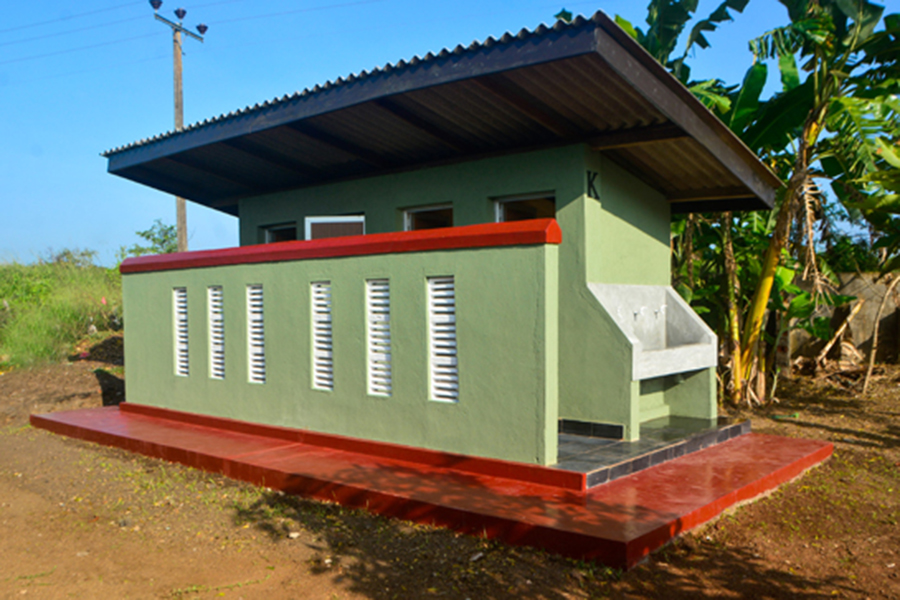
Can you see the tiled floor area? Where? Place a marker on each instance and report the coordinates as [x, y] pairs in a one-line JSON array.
[[616, 524], [661, 440]]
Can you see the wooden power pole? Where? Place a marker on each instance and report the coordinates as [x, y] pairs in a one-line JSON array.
[[177, 30], [180, 205]]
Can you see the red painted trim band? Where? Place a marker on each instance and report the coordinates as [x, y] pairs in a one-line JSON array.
[[516, 233], [558, 478]]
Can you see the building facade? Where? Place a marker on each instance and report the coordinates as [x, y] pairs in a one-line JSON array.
[[460, 253]]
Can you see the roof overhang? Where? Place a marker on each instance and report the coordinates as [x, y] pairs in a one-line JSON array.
[[584, 82]]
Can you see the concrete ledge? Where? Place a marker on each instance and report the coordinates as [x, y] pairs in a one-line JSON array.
[[515, 233]]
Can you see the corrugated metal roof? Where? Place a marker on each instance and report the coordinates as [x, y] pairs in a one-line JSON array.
[[581, 82]]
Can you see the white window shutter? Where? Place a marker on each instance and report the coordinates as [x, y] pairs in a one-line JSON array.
[[256, 334], [444, 373], [323, 365], [378, 312], [216, 332], [179, 303]]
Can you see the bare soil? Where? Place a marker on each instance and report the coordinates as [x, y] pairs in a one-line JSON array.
[[84, 521]]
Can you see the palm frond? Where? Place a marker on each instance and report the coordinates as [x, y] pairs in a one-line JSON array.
[[799, 36]]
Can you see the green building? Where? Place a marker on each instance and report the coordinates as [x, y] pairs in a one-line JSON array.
[[459, 252]]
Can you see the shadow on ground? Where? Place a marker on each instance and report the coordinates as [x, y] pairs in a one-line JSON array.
[[112, 388], [384, 558], [691, 568], [110, 351]]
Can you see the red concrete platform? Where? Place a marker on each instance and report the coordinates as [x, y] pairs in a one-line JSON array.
[[616, 524]]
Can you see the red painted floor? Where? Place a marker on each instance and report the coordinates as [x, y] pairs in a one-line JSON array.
[[616, 524]]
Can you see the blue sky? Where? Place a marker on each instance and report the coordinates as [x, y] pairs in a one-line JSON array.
[[78, 78]]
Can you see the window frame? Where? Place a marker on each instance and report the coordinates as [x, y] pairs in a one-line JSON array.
[[409, 212], [443, 339], [268, 231], [181, 331], [379, 367], [501, 200], [321, 299], [308, 222], [259, 375], [215, 324]]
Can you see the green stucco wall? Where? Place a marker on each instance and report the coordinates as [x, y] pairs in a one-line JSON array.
[[618, 232], [469, 187], [507, 344], [535, 344], [690, 394]]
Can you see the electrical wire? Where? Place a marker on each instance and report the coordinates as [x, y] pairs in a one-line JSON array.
[[69, 17], [128, 39], [130, 19], [291, 12], [67, 32], [101, 10], [217, 3], [83, 71], [69, 50]]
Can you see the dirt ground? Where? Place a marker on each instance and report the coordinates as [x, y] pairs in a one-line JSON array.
[[85, 521]]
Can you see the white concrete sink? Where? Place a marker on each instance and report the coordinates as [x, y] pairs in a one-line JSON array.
[[666, 335]]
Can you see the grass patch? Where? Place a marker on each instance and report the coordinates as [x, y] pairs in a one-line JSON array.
[[196, 589], [32, 577], [46, 307]]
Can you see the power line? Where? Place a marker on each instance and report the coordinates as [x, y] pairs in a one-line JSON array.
[[89, 27], [112, 42], [67, 51], [291, 12], [83, 71], [195, 6], [67, 32], [69, 17], [98, 26]]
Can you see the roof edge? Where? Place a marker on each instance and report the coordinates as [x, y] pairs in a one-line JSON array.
[[260, 115], [727, 137]]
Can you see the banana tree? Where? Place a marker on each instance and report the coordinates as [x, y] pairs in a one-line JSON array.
[[831, 125], [834, 118], [666, 22]]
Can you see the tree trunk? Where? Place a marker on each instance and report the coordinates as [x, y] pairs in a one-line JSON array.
[[757, 311], [734, 325], [688, 247]]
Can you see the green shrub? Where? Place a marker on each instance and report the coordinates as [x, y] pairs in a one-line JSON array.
[[47, 307]]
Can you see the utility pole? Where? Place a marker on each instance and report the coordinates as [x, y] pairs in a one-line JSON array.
[[177, 30]]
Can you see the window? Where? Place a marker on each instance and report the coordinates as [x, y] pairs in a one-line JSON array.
[[323, 365], [180, 306], [286, 232], [216, 320], [428, 217], [256, 335], [378, 338], [326, 227], [443, 367], [521, 208]]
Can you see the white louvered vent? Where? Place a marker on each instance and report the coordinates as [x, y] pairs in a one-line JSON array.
[[378, 311], [256, 335], [179, 303], [444, 376], [323, 365], [216, 332]]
